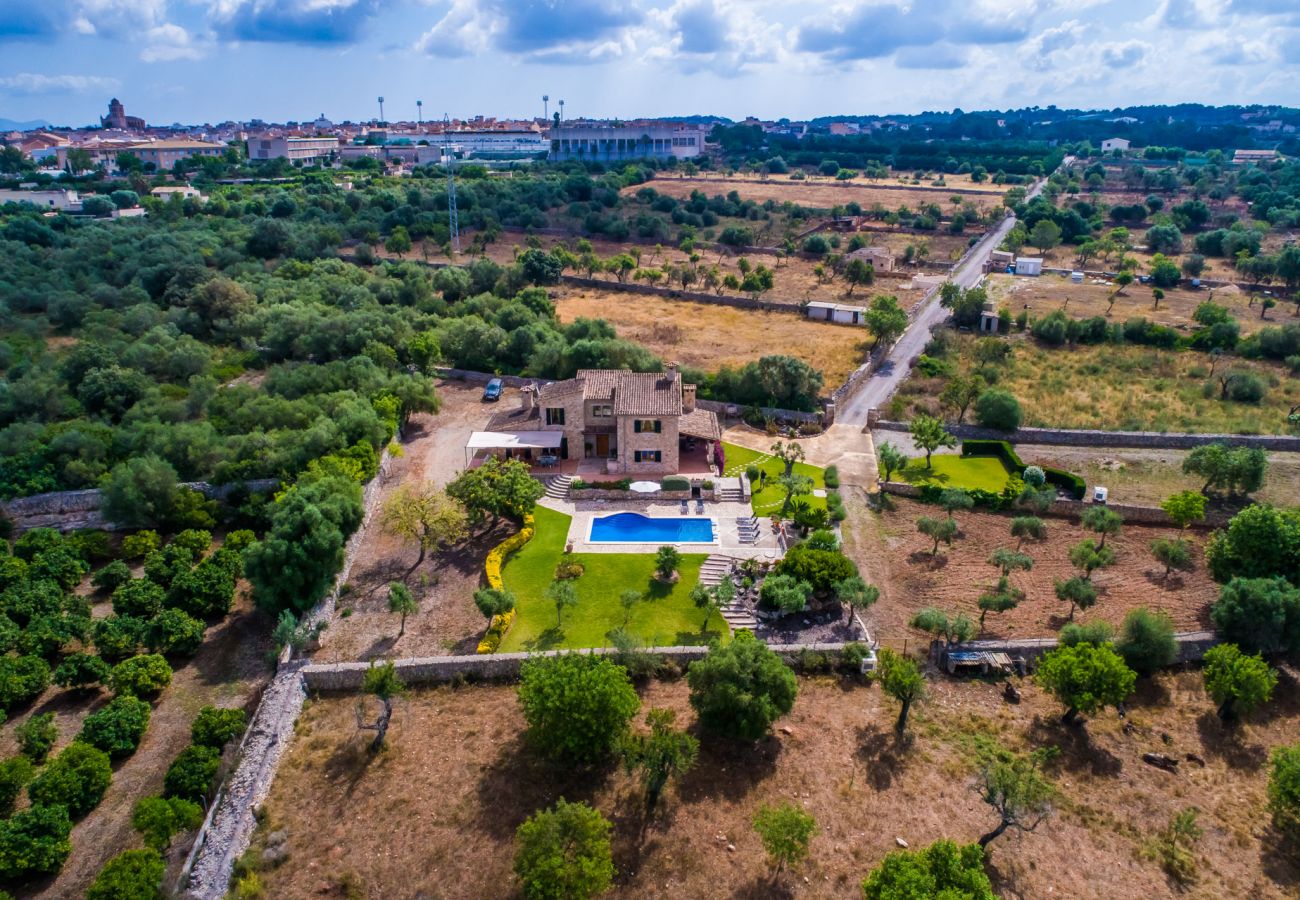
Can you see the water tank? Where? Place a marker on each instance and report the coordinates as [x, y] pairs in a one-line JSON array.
[[1076, 277], [1099, 494]]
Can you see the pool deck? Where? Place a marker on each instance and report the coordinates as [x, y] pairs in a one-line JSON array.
[[724, 516]]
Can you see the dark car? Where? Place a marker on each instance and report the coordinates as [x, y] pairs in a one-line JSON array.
[[493, 390]]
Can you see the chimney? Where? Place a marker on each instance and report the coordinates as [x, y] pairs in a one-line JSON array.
[[670, 371], [529, 393], [688, 398]]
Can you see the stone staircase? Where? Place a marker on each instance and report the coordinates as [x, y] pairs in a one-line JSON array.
[[729, 491], [736, 614], [557, 486]]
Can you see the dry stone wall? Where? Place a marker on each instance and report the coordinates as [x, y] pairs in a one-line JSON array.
[[1066, 437]]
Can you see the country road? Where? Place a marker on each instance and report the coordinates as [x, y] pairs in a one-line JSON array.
[[885, 380]]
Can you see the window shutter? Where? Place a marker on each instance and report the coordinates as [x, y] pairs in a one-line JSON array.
[[636, 427], [659, 426]]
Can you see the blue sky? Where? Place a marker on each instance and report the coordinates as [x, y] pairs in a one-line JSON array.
[[211, 60]]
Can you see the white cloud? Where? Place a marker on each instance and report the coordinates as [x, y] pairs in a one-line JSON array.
[[1125, 54], [167, 43], [26, 83]]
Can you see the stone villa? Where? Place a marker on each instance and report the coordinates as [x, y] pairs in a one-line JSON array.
[[621, 423]]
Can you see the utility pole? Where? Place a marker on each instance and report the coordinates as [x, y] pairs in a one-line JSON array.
[[419, 112], [453, 220], [546, 114], [381, 110]]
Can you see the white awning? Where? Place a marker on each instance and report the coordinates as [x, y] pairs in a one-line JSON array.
[[514, 440]]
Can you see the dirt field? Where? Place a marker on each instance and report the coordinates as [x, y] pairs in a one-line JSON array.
[[909, 578], [435, 815], [1052, 292], [708, 337], [447, 622], [824, 193], [229, 670]]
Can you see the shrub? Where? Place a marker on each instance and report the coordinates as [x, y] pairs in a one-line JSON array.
[[140, 544], [740, 689], [77, 779], [15, 773], [1246, 387], [111, 577], [1261, 614], [1085, 678], [117, 637], [564, 852], [675, 483], [1284, 790], [190, 775], [81, 670], [195, 540], [34, 842], [998, 408], [577, 706], [944, 869], [831, 476], [159, 819], [36, 736], [117, 728], [207, 591], [140, 676], [496, 558], [139, 597], [785, 593], [174, 633], [1146, 640], [22, 678], [1237, 682], [131, 875], [822, 569], [785, 831], [216, 727]]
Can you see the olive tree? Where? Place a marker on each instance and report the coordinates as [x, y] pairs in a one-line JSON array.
[[1085, 678], [1017, 791], [662, 754], [1237, 682], [900, 677]]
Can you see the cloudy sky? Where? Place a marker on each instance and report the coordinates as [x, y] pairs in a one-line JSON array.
[[210, 60]]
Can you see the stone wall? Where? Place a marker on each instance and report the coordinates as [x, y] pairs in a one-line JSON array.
[[68, 510], [1066, 437], [636, 497], [1192, 646]]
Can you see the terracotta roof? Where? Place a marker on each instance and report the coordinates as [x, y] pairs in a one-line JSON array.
[[701, 423], [558, 390], [648, 394], [507, 420], [599, 384]]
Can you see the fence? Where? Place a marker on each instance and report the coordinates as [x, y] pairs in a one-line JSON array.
[[1066, 437]]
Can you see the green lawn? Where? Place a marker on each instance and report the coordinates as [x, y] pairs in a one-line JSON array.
[[768, 500], [666, 617], [949, 470]]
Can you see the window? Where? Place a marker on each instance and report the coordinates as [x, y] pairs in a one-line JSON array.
[[646, 426], [647, 456], [555, 415], [602, 411]]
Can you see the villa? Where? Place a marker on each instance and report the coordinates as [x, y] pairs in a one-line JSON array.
[[625, 424]]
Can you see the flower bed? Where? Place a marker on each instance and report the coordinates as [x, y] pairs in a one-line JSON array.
[[496, 558]]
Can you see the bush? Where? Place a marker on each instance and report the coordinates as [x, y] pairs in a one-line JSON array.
[[34, 842], [822, 569], [215, 727], [675, 483], [1246, 387], [174, 633], [111, 577], [15, 773], [77, 779], [117, 728], [117, 637], [998, 408], [740, 689], [81, 670], [138, 597], [496, 558], [140, 544], [22, 678], [159, 819], [1284, 790], [195, 540], [831, 476], [577, 706], [140, 676], [131, 875], [564, 852], [944, 869], [191, 774], [1146, 640], [36, 736]]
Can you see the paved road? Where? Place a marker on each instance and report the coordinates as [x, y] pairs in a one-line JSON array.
[[885, 380]]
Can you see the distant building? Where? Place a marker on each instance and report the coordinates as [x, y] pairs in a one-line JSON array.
[[184, 191], [305, 149], [1254, 156], [1029, 265], [843, 129], [52, 200], [517, 144], [821, 311], [41, 146], [117, 118], [165, 154], [1111, 144], [609, 142], [880, 258]]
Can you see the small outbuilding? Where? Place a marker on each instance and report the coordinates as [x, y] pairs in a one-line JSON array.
[[1029, 265], [821, 311], [880, 258], [1111, 144]]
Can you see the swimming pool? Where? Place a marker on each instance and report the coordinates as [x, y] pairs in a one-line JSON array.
[[634, 528]]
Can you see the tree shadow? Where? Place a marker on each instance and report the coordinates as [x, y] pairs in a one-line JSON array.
[[520, 781], [547, 640], [926, 559], [695, 638], [884, 753], [1149, 692], [1229, 743], [1279, 857], [728, 768], [1078, 752], [764, 886], [380, 647], [352, 760], [1172, 583]]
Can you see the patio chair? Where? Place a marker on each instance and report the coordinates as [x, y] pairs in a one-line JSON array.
[[686, 506], [699, 507]]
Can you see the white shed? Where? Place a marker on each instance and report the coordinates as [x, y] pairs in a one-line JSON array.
[[821, 311], [1114, 144], [1029, 265]]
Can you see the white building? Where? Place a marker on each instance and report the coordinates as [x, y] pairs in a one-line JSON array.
[[521, 144], [821, 311], [1029, 265], [53, 199], [305, 149], [184, 191], [1114, 144], [607, 142]]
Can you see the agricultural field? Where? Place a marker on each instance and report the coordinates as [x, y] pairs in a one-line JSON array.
[[911, 577], [708, 337], [363, 825], [1042, 295], [824, 193], [1119, 388]]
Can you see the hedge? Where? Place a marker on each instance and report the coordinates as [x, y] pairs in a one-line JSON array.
[[1073, 484], [675, 483], [622, 484], [496, 558]]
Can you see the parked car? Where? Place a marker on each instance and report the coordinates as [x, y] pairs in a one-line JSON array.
[[493, 390]]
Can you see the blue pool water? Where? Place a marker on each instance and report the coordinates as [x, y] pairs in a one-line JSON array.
[[634, 528]]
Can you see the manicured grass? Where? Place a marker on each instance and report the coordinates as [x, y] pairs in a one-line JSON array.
[[666, 617], [985, 473], [768, 500]]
